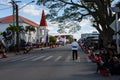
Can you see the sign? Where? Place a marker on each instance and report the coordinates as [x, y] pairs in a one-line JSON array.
[[115, 9], [113, 25]]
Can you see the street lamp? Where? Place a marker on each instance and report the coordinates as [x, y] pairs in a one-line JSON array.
[[116, 10]]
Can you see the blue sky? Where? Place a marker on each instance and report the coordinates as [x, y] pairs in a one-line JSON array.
[[33, 12]]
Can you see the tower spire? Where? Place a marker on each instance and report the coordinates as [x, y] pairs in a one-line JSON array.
[[43, 19]]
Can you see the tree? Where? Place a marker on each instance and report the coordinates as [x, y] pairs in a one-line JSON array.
[[14, 30], [69, 38], [12, 45], [68, 27], [76, 10], [52, 39]]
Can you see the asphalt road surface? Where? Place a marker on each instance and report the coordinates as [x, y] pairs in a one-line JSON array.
[[50, 64]]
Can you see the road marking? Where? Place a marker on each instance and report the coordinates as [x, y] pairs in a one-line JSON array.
[[47, 58], [22, 57], [58, 58], [8, 59], [29, 58], [38, 58]]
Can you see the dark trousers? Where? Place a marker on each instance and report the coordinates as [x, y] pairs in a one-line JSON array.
[[74, 54]]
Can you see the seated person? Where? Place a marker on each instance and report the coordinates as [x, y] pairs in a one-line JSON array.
[[115, 69]]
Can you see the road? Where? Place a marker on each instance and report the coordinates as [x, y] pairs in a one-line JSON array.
[[50, 64]]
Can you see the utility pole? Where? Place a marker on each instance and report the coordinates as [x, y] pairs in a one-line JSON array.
[[17, 24], [13, 4], [15, 9], [13, 14]]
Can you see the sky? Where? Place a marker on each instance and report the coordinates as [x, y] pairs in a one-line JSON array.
[[33, 12]]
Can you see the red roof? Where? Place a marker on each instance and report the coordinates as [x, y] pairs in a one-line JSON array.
[[43, 19], [10, 19]]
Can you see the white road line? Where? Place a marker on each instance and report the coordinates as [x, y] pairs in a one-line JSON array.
[[68, 59], [8, 59], [22, 57], [47, 58], [29, 58], [40, 57], [58, 58]]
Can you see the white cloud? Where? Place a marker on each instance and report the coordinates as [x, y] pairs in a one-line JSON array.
[[31, 9], [52, 28], [85, 22], [86, 26], [34, 10], [5, 2]]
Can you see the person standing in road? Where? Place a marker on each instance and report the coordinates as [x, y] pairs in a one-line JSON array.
[[75, 46]]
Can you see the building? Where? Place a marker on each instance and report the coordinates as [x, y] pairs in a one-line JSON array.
[[42, 30], [23, 22], [40, 34], [64, 38], [94, 35]]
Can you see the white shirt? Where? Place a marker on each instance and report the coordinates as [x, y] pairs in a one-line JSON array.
[[74, 45]]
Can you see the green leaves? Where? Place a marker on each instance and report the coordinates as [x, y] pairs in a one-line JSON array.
[[13, 28], [69, 27], [29, 28], [52, 39]]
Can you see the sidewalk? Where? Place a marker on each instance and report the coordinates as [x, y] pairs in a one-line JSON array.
[[92, 69], [12, 54]]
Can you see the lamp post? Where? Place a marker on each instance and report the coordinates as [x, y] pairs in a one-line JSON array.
[[116, 10]]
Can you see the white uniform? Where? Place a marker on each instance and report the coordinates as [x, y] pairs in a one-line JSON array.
[[74, 45]]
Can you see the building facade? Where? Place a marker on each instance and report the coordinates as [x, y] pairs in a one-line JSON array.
[[30, 36], [42, 30], [94, 35]]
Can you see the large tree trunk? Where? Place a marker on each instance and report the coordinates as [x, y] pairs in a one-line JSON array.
[[106, 37]]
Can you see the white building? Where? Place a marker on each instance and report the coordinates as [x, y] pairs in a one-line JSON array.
[[40, 32], [93, 34]]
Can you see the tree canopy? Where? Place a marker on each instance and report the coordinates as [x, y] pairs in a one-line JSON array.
[[98, 12], [52, 39], [68, 27]]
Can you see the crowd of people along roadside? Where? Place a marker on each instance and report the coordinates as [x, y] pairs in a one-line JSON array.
[[107, 59]]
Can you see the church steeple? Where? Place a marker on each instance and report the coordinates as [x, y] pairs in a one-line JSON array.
[[43, 19]]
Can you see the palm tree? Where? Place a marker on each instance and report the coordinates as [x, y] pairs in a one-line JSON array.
[[14, 30]]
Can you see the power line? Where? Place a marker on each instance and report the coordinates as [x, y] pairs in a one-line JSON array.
[[26, 4]]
